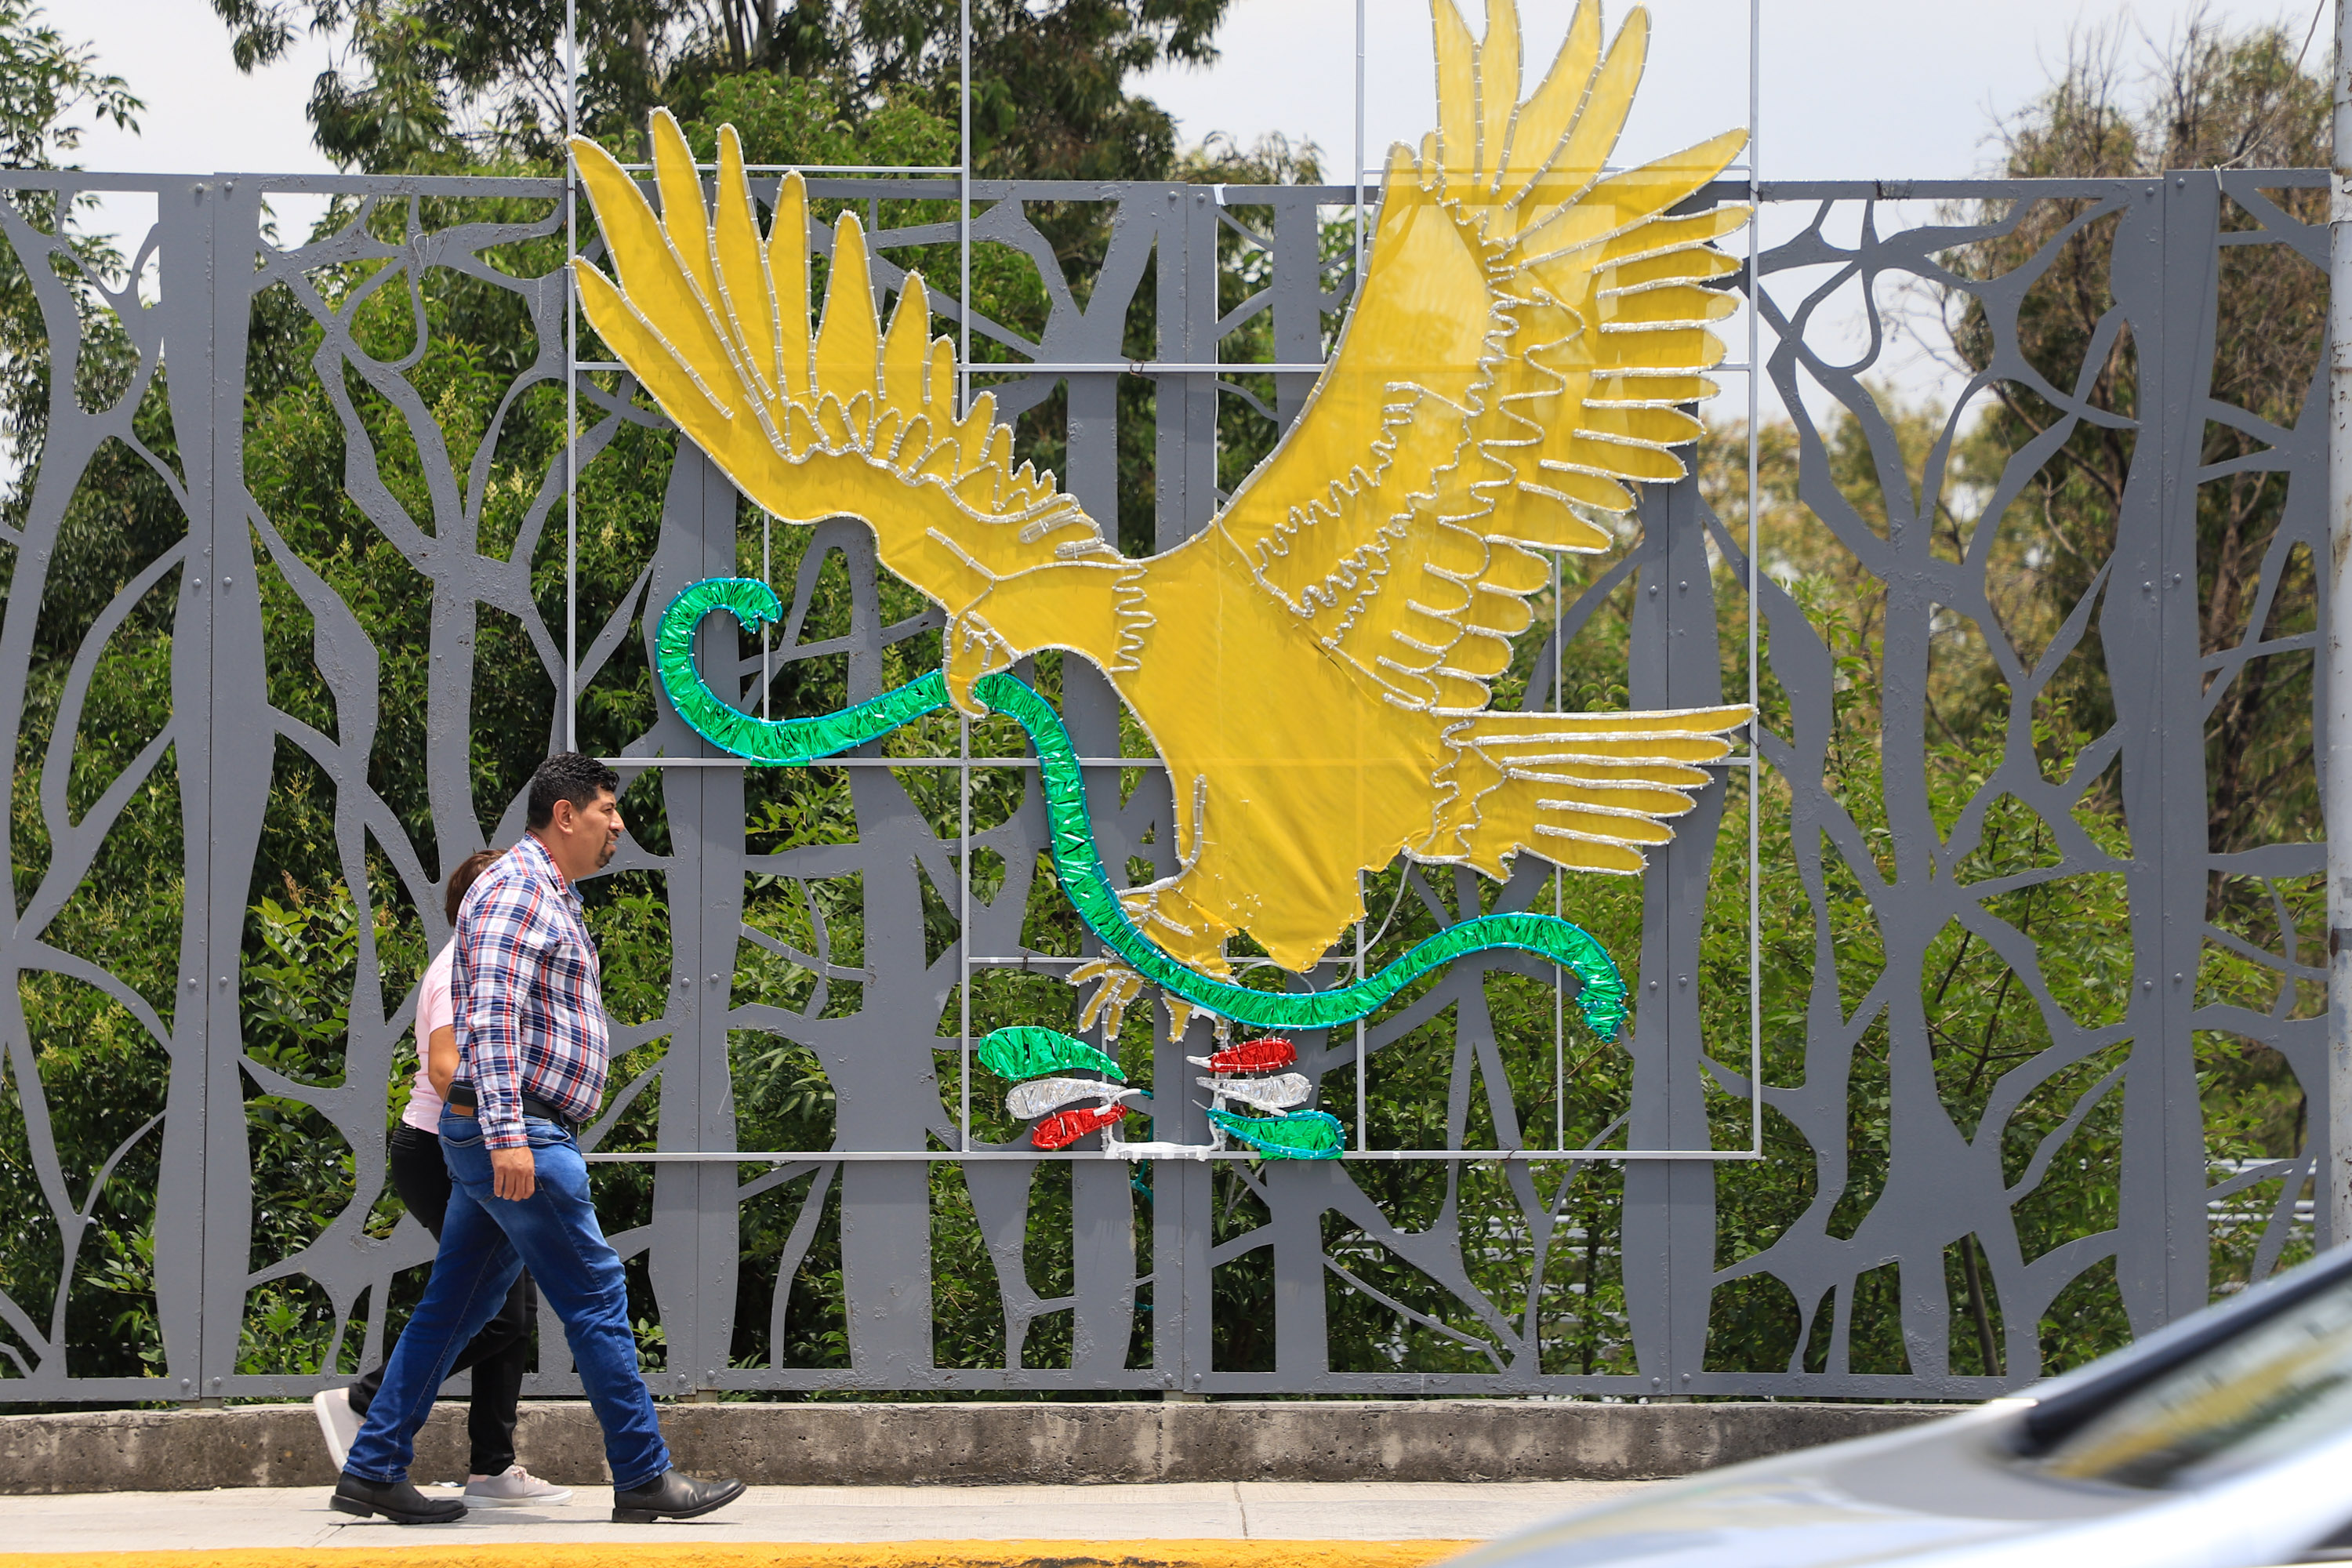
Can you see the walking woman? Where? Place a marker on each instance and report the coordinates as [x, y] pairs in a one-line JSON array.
[[498, 1353]]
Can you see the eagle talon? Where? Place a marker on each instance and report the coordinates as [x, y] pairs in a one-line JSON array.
[[1116, 989], [1119, 986], [972, 651], [1181, 1013]]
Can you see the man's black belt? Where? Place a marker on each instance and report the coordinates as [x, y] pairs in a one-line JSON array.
[[461, 1095]]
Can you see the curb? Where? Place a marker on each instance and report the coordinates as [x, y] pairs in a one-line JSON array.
[[966, 1444]]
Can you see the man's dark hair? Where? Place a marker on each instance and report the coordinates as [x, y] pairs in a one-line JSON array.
[[568, 775]]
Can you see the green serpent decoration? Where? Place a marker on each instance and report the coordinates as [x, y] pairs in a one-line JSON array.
[[1601, 996]]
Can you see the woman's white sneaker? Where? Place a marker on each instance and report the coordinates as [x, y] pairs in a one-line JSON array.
[[336, 1423], [517, 1488]]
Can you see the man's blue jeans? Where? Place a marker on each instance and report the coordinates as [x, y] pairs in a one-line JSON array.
[[486, 1241]]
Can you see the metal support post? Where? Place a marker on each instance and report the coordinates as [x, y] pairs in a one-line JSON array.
[[571, 380], [1359, 281], [963, 211], [2336, 781], [1755, 747]]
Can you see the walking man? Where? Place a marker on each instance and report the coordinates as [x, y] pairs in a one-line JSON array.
[[421, 1176], [532, 1057]]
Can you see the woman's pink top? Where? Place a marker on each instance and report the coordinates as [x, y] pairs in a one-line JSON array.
[[434, 1011]]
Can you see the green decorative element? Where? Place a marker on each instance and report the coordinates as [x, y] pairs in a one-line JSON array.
[[1032, 1053], [772, 741], [1300, 1135], [1601, 996]]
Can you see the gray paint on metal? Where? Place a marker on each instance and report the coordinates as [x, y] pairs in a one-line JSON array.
[[884, 1063]]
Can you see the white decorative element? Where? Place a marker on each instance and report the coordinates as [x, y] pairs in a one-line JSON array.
[[1267, 1093], [1115, 1150], [1043, 1096]]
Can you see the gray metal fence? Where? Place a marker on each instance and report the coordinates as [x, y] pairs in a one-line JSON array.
[[1454, 1269]]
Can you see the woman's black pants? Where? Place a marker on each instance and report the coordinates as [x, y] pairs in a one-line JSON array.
[[497, 1354]]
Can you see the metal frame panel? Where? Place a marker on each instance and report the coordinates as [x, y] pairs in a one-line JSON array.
[[898, 1118]]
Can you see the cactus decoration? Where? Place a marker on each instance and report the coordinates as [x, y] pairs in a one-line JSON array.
[[1249, 1073], [1288, 1134], [1295, 1135], [1021, 1053]]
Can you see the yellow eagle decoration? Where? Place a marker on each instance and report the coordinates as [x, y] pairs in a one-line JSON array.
[[1314, 665]]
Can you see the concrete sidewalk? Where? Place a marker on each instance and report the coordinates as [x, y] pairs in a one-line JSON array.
[[297, 1517]]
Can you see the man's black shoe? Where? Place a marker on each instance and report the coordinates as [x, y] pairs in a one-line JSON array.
[[675, 1495], [396, 1501]]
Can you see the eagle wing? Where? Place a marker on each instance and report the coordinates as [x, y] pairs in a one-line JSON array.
[[855, 417], [1530, 329]]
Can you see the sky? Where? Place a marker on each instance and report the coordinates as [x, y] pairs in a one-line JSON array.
[[1849, 89]]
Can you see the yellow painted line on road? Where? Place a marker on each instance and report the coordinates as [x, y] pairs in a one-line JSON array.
[[429, 1554]]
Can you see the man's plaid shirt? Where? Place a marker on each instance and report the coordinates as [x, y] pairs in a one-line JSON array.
[[531, 1012]]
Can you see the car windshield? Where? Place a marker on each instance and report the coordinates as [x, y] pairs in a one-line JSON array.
[[2255, 1397]]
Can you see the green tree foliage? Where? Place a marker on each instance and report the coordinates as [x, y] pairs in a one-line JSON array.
[[97, 1064], [45, 83], [451, 85], [2237, 101], [419, 89], [2214, 99], [1050, 94]]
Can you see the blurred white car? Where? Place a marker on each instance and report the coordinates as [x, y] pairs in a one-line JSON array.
[[2223, 1441]]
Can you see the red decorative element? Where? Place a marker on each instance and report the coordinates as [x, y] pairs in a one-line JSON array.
[[1065, 1128], [1254, 1055]]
